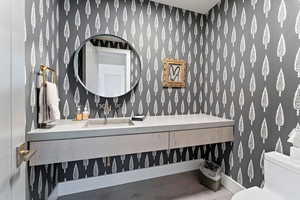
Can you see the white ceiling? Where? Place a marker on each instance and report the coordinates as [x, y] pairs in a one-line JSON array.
[[199, 6]]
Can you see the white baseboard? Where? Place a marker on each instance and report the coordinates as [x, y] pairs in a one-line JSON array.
[[231, 184], [94, 183]]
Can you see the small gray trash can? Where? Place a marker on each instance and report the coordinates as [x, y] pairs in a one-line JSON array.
[[210, 175]]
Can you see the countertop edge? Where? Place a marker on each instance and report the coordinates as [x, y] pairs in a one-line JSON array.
[[65, 135]]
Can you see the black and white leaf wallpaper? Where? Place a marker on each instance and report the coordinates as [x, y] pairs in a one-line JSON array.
[[41, 46], [243, 63], [156, 31], [250, 74]]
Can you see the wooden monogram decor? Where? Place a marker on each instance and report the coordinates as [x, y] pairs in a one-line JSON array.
[[174, 73]]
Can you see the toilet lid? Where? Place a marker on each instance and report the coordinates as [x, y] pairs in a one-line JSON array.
[[255, 193]]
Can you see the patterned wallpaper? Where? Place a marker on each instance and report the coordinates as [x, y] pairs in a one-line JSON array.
[[156, 32], [251, 74], [41, 46], [55, 29], [243, 63]]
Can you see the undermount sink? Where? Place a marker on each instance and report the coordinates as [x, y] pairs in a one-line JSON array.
[[114, 122]]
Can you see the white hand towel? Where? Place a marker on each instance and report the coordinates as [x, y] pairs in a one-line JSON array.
[[53, 101], [42, 106]]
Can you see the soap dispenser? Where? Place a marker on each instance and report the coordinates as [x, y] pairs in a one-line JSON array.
[[85, 114], [78, 116]]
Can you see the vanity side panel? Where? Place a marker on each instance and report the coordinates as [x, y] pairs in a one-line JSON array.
[[58, 151], [196, 137]]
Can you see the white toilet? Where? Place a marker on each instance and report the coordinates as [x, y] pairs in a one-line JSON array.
[[282, 176]]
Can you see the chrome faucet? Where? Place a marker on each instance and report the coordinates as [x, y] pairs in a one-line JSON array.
[[106, 110]]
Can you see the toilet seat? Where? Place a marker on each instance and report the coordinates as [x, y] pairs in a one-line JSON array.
[[255, 193]]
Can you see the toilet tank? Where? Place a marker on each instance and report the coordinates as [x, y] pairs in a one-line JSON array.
[[282, 176]]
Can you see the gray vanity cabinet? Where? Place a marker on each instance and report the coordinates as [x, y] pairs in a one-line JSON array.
[[56, 151], [70, 140], [196, 137]]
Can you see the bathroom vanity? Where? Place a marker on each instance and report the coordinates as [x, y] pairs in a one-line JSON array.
[[77, 140], [109, 66]]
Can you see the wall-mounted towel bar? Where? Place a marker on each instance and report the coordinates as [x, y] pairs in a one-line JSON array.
[[44, 72]]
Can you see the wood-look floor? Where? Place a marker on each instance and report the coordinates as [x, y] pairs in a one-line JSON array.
[[183, 186]]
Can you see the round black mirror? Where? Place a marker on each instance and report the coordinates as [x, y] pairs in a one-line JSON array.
[[107, 66]]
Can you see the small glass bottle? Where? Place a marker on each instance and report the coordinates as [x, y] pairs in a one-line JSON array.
[[78, 116], [85, 114]]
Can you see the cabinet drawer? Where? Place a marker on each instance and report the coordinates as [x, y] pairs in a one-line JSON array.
[[196, 137], [57, 151]]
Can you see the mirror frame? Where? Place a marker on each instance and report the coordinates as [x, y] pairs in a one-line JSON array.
[[75, 63]]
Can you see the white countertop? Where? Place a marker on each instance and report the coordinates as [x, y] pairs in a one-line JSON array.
[[69, 129]]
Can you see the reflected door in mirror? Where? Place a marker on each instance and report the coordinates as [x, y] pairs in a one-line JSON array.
[[107, 66], [108, 71]]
